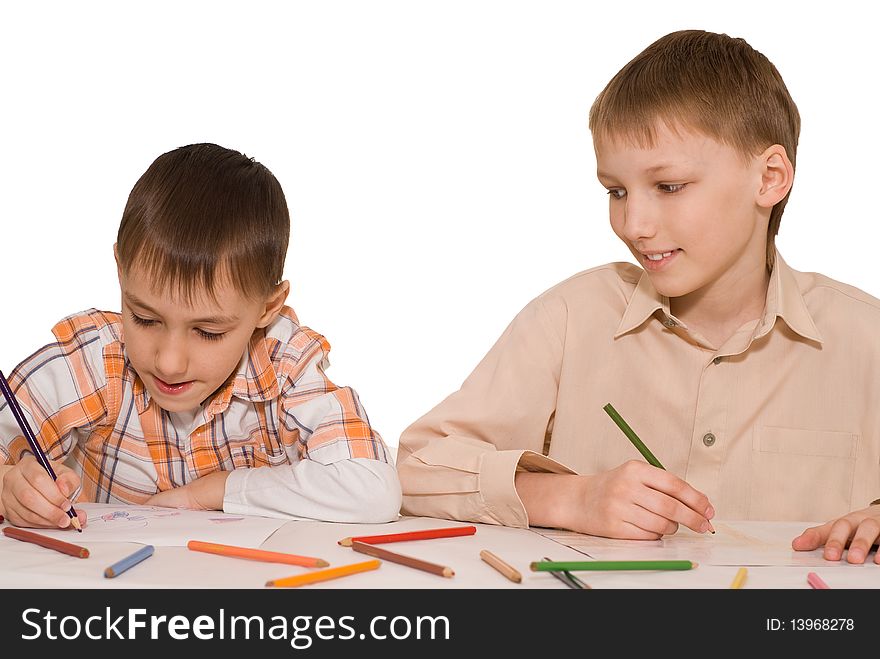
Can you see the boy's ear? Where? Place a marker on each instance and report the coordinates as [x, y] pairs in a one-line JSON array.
[[116, 258], [274, 303], [777, 176]]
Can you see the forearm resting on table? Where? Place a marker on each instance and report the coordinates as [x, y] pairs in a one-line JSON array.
[[548, 498]]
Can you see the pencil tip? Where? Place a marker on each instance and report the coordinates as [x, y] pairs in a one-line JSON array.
[[74, 522], [345, 542], [321, 563]]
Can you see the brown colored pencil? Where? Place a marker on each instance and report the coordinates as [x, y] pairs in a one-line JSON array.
[[378, 552], [47, 542]]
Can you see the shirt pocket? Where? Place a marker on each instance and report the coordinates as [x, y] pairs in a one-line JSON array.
[[801, 475], [255, 455]]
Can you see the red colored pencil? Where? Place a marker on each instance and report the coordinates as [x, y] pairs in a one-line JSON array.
[[46, 541], [428, 534]]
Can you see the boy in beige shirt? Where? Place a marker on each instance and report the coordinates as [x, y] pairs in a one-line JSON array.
[[754, 384]]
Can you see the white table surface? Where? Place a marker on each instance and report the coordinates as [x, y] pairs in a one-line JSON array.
[[25, 565]]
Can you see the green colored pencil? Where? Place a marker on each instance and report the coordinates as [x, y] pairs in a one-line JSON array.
[[573, 566], [634, 438]]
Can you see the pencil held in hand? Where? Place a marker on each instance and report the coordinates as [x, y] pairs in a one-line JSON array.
[[632, 436], [34, 445], [638, 443]]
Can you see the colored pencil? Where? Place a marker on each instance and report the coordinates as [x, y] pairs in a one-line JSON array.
[[638, 443], [632, 436], [569, 579], [256, 554], [572, 566], [129, 561], [324, 575], [740, 578], [817, 582], [409, 561], [504, 568], [428, 534], [46, 541], [36, 449]]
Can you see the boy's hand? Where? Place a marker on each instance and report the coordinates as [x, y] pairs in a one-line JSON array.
[[860, 529], [31, 498], [205, 493], [634, 501]]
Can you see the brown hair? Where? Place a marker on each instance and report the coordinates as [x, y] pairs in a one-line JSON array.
[[713, 83], [200, 212]]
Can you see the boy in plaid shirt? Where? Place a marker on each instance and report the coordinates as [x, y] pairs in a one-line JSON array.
[[205, 392]]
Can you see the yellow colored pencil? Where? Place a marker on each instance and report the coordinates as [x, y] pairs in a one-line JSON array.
[[740, 578], [324, 575]]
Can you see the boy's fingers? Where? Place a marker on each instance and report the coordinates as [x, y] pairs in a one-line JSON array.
[[865, 536], [682, 491], [40, 480], [69, 485]]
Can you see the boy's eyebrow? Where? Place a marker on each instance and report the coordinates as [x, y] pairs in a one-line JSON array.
[[650, 170], [210, 320]]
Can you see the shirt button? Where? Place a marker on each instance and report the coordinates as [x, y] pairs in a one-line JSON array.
[[716, 361], [708, 439], [669, 322]]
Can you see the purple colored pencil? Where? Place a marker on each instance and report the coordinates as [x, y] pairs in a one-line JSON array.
[[32, 441]]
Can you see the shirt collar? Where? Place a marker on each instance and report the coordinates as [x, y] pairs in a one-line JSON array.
[[784, 300], [254, 380]]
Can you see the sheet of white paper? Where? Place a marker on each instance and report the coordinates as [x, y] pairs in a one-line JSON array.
[[748, 543], [168, 527]]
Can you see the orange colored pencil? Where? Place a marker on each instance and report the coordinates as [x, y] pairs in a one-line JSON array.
[[46, 541], [256, 554], [324, 575], [427, 534], [409, 561]]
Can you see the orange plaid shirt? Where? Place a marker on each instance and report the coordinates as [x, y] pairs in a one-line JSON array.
[[89, 407]]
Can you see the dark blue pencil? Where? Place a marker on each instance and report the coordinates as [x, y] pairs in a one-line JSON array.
[[129, 561], [36, 449]]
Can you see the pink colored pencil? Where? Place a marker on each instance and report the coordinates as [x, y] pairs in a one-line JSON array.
[[816, 581]]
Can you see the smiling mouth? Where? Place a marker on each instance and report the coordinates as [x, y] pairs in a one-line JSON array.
[[659, 260]]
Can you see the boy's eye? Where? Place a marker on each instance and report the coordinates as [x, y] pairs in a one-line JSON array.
[[144, 322], [671, 188], [617, 193], [210, 336]]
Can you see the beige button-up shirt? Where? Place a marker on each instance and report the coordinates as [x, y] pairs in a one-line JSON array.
[[782, 422]]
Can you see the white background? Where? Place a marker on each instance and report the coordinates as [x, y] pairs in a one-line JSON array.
[[435, 155]]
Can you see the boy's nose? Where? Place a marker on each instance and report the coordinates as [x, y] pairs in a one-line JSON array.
[[638, 222], [171, 361]]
